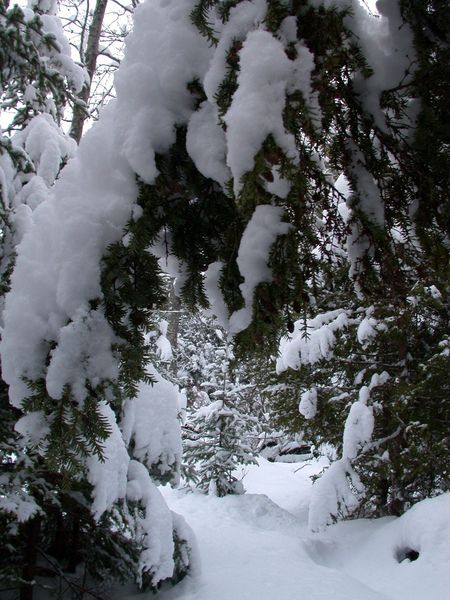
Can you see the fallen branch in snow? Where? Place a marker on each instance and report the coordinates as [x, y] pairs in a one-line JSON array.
[[307, 462]]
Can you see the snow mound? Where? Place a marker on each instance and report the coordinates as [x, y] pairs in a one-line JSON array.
[[424, 530], [260, 512], [405, 557]]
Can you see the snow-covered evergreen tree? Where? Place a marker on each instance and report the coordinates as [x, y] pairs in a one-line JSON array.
[[37, 79], [216, 443], [79, 436], [220, 431]]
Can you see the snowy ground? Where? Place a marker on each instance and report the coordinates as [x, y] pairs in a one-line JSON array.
[[257, 546]]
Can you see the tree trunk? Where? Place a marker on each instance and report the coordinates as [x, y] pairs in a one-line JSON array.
[[90, 61], [74, 552], [173, 325], [32, 530]]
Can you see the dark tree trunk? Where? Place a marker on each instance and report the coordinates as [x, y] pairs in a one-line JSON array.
[[32, 530], [74, 554]]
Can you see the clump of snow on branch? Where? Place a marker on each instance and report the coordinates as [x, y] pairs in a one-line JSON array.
[[265, 76], [154, 527], [357, 244], [370, 201], [339, 490], [387, 43], [46, 145], [162, 56], [258, 103], [334, 495], [218, 308], [46, 148], [151, 428], [161, 248], [58, 59], [358, 426], [7, 177], [367, 329], [35, 147], [163, 345], [83, 352], [19, 504], [278, 186], [257, 240], [310, 344], [206, 144], [308, 403], [300, 79], [109, 474], [33, 427], [243, 18]]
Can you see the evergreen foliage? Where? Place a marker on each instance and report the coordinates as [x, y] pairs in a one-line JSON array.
[[220, 430], [215, 445], [391, 241], [37, 78], [51, 539], [32, 79], [352, 278]]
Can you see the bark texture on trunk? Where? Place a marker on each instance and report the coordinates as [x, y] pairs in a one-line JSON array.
[[90, 61]]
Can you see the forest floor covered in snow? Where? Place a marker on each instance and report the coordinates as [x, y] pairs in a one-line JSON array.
[[257, 546]]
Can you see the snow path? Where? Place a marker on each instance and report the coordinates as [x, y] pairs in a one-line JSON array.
[[253, 549], [257, 546]]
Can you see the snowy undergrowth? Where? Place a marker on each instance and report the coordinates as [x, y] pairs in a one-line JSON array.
[[257, 546]]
